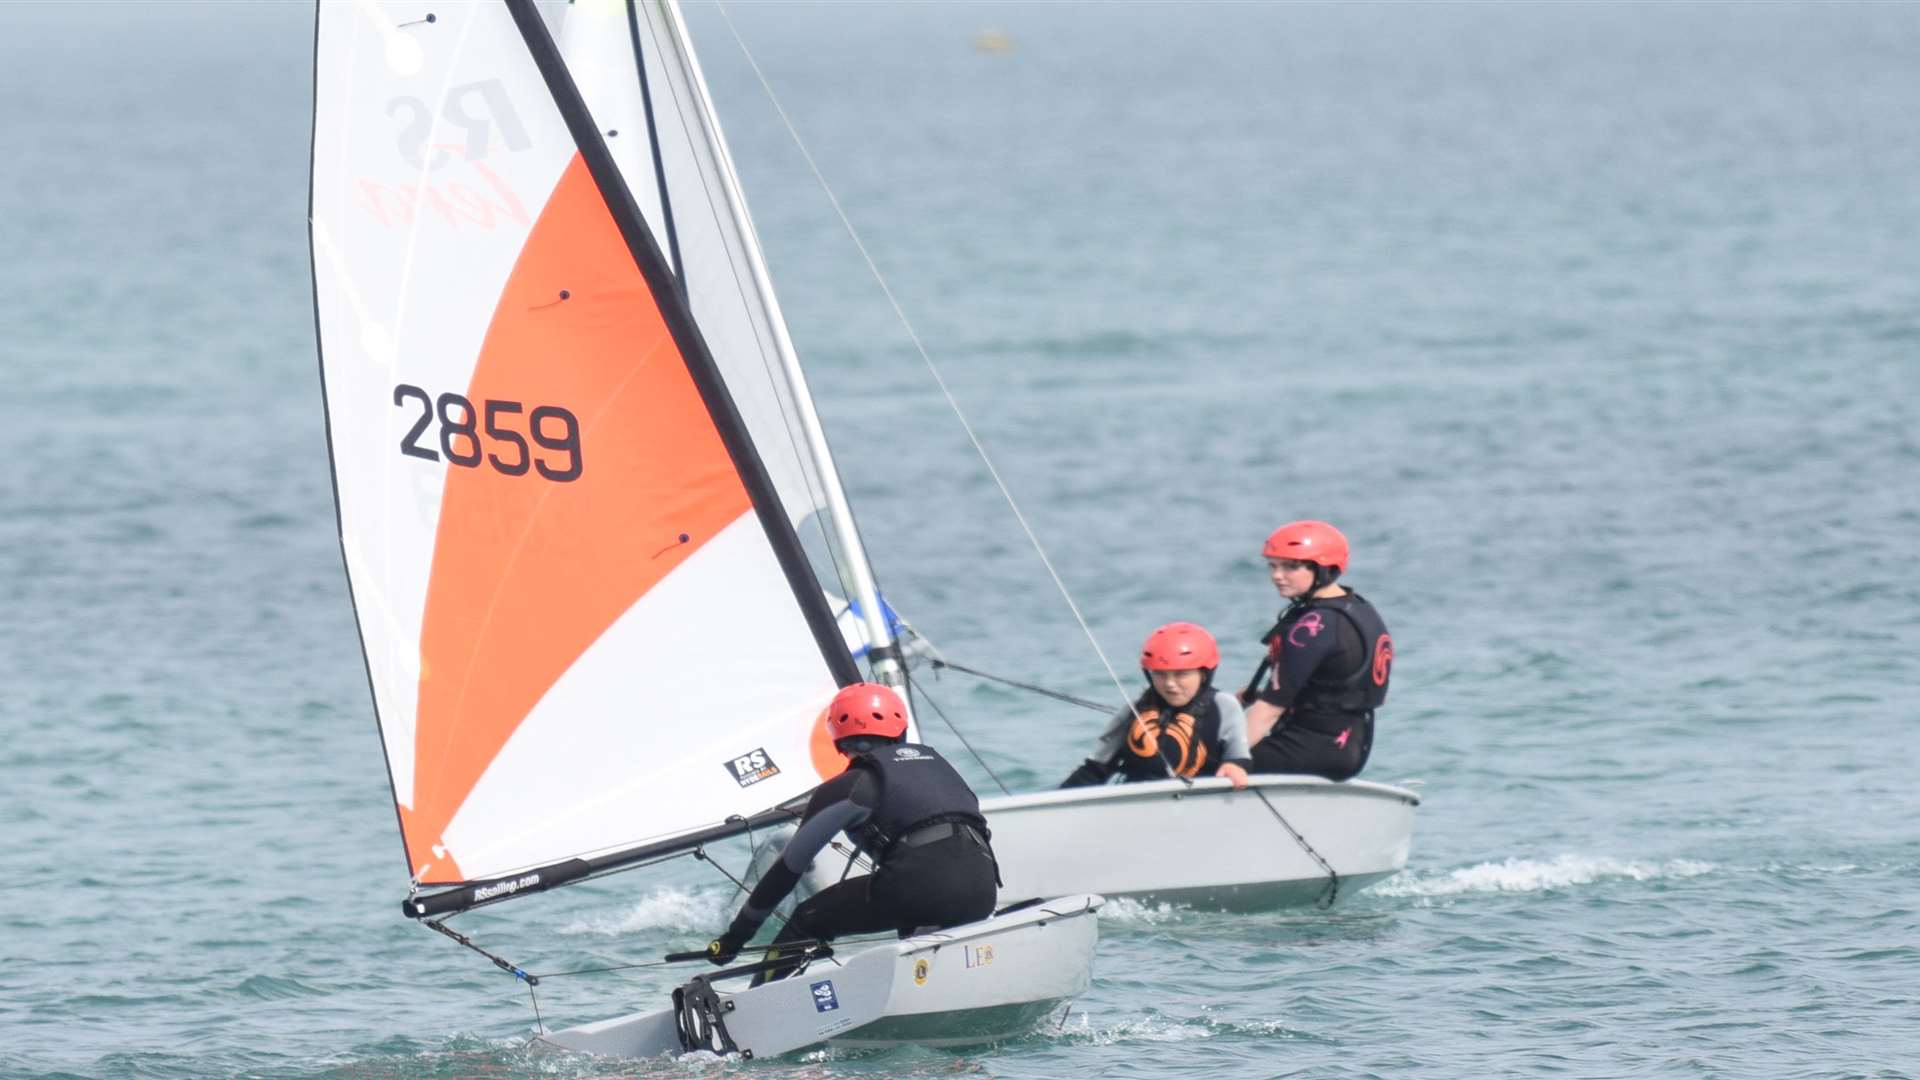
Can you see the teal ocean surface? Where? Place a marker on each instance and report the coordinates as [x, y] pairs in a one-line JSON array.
[[1597, 328]]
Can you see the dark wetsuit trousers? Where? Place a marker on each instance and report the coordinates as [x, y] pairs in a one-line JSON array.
[[943, 884], [1291, 748]]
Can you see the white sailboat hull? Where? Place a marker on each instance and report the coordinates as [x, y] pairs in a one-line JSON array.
[[1203, 844], [1206, 844], [979, 983]]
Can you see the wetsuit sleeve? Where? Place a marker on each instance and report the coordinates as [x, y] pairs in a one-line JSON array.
[[1111, 739], [1098, 768], [1309, 644], [1233, 730], [845, 802]]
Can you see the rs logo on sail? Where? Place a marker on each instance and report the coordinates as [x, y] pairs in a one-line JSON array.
[[473, 109], [752, 767], [474, 121]]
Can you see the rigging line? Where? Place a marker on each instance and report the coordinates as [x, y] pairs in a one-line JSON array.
[[600, 970], [853, 858], [653, 140], [701, 854], [914, 336], [503, 964], [942, 713], [1333, 879], [1057, 695]]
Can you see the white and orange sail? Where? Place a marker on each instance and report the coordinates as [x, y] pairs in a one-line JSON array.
[[566, 482]]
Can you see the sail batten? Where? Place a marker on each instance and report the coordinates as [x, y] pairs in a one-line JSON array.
[[554, 521]]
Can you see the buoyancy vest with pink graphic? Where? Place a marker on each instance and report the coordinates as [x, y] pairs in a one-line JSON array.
[[1324, 684]]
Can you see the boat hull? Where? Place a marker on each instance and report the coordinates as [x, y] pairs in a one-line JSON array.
[[979, 983], [1204, 844]]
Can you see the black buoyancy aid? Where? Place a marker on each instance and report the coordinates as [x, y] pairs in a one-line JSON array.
[[1345, 694], [918, 788], [1164, 742]]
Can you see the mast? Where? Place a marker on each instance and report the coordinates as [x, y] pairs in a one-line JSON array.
[[883, 655]]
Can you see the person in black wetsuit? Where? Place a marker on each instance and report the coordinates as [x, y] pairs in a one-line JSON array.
[[907, 810], [1181, 726], [1310, 706]]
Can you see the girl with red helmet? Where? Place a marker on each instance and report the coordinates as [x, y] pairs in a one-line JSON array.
[[1310, 706], [1181, 726], [907, 811]]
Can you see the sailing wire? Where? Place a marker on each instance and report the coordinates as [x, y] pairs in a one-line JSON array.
[[701, 854], [942, 713], [913, 335], [1057, 695], [1332, 891]]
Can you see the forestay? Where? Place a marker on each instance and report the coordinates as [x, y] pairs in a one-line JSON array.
[[553, 517]]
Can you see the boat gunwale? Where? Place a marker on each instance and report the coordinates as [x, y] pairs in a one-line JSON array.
[[1154, 789]]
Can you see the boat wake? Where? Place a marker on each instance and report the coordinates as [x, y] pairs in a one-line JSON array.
[[1536, 875], [1081, 1028], [1127, 911], [666, 908]]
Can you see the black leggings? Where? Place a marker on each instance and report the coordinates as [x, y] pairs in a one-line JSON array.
[[943, 884], [1293, 749]]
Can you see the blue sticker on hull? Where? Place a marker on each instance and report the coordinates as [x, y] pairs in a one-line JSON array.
[[823, 999]]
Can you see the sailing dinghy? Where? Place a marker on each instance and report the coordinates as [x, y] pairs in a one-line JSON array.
[[572, 455]]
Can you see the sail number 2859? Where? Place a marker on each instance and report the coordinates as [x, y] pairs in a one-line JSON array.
[[491, 432]]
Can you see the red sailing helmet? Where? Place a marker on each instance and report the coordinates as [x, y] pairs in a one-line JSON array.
[[1179, 646], [866, 709], [1308, 541]]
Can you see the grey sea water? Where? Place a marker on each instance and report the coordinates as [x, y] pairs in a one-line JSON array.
[[1594, 326]]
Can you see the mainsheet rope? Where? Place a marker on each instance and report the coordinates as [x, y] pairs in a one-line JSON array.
[[942, 713]]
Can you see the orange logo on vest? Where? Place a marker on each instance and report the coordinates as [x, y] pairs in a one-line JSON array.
[[1143, 740]]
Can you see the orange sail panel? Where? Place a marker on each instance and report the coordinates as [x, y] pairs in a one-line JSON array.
[[526, 575]]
